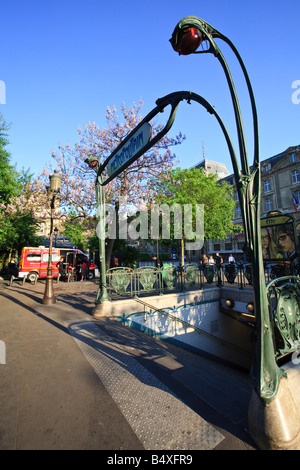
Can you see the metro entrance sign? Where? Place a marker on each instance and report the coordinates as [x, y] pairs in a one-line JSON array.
[[139, 140], [122, 157]]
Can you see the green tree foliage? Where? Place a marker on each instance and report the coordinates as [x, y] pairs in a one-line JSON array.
[[17, 227], [80, 229], [75, 229], [192, 186], [8, 173], [75, 232]]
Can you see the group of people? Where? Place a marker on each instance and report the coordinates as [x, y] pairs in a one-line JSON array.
[[82, 268], [217, 260], [211, 260]]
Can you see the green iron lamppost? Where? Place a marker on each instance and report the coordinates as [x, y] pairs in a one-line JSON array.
[[52, 192], [102, 294], [189, 34]]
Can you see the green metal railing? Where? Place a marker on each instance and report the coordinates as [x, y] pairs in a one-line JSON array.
[[283, 292], [153, 281]]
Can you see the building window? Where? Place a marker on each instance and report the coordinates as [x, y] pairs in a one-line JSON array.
[[295, 176], [292, 157], [297, 196], [267, 185], [269, 205], [267, 167], [236, 196], [217, 247], [238, 211]]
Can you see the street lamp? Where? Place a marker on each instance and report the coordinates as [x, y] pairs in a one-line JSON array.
[[56, 233], [102, 294], [188, 40], [190, 33], [52, 192]]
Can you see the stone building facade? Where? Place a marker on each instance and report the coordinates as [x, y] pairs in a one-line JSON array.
[[280, 184]]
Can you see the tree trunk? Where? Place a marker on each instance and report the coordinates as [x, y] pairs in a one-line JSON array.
[[182, 251]]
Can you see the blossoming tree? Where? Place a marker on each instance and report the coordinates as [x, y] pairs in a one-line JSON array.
[[78, 182]]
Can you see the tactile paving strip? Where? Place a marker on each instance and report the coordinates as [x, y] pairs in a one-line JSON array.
[[160, 420]]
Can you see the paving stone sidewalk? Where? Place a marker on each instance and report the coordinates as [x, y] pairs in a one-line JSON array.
[[72, 382]]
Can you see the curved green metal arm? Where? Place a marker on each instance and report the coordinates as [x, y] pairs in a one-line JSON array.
[[210, 33], [265, 372], [173, 100]]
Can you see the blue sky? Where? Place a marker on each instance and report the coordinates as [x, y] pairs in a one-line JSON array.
[[64, 61]]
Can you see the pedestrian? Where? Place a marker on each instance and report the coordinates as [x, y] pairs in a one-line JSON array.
[[204, 259], [157, 261], [231, 259], [211, 260], [84, 270], [60, 266], [158, 265], [13, 269], [219, 260]]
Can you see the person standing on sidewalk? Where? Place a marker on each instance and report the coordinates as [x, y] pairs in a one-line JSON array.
[[84, 270]]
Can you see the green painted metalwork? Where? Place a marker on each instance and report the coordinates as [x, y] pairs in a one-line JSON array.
[[209, 273], [149, 279], [119, 279], [265, 372], [190, 276], [148, 276], [230, 273], [102, 294], [284, 308], [169, 275]]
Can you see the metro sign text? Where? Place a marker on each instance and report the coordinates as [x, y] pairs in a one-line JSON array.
[[129, 149]]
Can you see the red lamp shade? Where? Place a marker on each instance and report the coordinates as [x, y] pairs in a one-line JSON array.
[[189, 40], [93, 164]]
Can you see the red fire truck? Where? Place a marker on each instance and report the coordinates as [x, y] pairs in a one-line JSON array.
[[34, 262]]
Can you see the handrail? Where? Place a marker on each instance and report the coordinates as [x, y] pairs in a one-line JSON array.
[[197, 329]]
